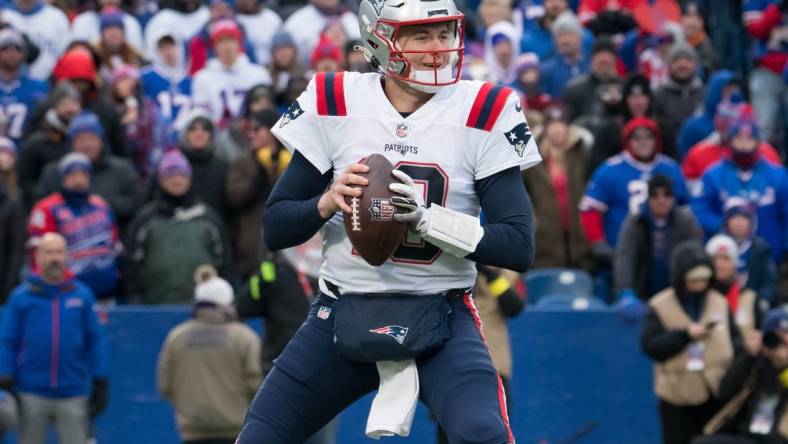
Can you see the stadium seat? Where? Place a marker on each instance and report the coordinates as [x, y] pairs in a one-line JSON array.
[[551, 281], [570, 301]]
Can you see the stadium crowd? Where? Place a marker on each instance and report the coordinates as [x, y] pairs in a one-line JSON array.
[[139, 131]]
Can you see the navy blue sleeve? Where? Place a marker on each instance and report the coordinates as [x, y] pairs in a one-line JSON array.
[[508, 240], [291, 215]]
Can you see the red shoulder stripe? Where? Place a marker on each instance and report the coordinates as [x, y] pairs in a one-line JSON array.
[[320, 85], [477, 104]]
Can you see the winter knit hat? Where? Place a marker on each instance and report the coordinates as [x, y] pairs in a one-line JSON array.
[[173, 163], [85, 122], [526, 61], [211, 288], [74, 162], [226, 28], [7, 145], [722, 244], [744, 123], [567, 22], [326, 49], [11, 37], [682, 49], [111, 17], [76, 64], [281, 40], [125, 72]]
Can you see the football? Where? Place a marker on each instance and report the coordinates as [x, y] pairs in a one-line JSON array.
[[371, 227]]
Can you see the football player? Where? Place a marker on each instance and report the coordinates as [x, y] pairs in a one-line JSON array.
[[458, 147]]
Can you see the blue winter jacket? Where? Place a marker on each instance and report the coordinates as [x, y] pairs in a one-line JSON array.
[[766, 188], [699, 126], [51, 342]]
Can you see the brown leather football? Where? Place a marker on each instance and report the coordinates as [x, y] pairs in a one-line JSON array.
[[371, 226]]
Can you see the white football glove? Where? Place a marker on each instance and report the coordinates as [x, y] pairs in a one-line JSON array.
[[455, 233]]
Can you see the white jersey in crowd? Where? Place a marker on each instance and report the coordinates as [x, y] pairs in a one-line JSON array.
[[170, 22], [260, 29], [87, 26], [464, 133], [306, 25], [47, 27], [220, 90]]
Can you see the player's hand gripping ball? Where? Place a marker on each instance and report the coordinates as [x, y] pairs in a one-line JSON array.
[[371, 227]]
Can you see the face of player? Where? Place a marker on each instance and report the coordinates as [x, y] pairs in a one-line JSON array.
[[198, 136], [432, 37], [11, 57], [88, 144], [567, 43], [284, 56], [113, 37], [683, 69], [638, 104], [739, 227], [169, 54], [723, 268], [78, 181], [51, 258], [603, 65], [660, 204], [642, 143], [227, 50], [177, 185]]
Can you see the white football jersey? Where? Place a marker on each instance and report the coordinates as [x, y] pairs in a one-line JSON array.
[[464, 133]]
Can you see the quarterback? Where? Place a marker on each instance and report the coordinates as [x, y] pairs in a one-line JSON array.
[[458, 148]]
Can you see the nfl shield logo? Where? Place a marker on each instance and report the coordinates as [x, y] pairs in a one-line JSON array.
[[402, 130], [323, 313]]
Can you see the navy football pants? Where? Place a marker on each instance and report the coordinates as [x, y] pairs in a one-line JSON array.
[[310, 384]]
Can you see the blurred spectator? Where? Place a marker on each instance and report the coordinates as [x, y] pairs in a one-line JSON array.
[[692, 23], [19, 94], [233, 141], [753, 389], [721, 87], [9, 413], [220, 87], [200, 47], [647, 241], [619, 187], [113, 178], [166, 82], [172, 236], [138, 115], [766, 23], [49, 142], [31, 49], [569, 60], [556, 187], [86, 222], [295, 86], [652, 60], [9, 178], [48, 27], [501, 49], [53, 354], [262, 23], [756, 268], [112, 48], [327, 57], [681, 94], [492, 12], [743, 302], [12, 242], [88, 25], [183, 21], [335, 32], [538, 35], [209, 171], [605, 17], [690, 335], [745, 175], [209, 366], [250, 179], [529, 85], [355, 59], [284, 62], [717, 146], [78, 67], [307, 23], [583, 95]]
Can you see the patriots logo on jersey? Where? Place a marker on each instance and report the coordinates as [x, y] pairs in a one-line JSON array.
[[381, 210], [397, 332], [292, 113], [518, 137]]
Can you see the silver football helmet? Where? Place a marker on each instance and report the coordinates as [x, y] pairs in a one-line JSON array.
[[380, 22]]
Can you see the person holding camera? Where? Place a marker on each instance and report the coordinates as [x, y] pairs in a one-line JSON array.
[[755, 389], [690, 334]]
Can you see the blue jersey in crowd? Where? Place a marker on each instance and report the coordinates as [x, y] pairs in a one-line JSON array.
[[765, 187], [169, 96], [620, 186], [18, 99]]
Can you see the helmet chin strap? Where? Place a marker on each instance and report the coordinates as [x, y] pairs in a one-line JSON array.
[[444, 75]]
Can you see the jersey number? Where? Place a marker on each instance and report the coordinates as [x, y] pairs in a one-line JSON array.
[[435, 186], [14, 115], [638, 193]]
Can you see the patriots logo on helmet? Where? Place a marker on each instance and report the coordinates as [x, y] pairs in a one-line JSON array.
[[518, 137], [397, 332], [378, 5], [292, 113]]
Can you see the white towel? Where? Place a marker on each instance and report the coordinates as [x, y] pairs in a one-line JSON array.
[[395, 404]]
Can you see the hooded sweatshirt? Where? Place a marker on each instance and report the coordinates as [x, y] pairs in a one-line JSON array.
[[697, 127], [497, 72]]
